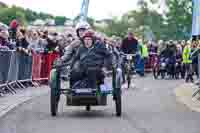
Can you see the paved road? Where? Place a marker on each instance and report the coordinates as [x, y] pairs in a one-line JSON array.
[[150, 108]]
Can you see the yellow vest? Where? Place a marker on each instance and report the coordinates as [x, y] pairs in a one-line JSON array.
[[145, 52], [186, 55]]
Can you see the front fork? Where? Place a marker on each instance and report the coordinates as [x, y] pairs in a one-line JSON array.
[[117, 81]]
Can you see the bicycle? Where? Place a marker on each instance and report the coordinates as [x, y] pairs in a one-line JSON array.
[[129, 66]]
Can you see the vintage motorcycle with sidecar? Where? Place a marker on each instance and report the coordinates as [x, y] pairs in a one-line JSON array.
[[85, 95]]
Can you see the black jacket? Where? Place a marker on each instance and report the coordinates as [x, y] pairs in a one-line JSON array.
[[129, 46], [97, 56], [22, 43]]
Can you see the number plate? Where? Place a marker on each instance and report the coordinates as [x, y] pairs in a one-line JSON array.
[[129, 57], [87, 90], [105, 88]]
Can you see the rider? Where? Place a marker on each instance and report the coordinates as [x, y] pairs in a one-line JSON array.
[[130, 46], [92, 59], [169, 54], [71, 49]]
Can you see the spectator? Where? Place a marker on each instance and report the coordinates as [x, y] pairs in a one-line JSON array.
[[36, 44], [52, 42], [4, 43], [21, 39]]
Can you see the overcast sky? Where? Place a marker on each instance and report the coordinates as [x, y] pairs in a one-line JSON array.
[[98, 8]]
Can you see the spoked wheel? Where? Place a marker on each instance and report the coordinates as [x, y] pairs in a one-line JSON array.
[[129, 78], [88, 108], [155, 73], [55, 92], [177, 75], [129, 81], [118, 104], [162, 74], [54, 99]]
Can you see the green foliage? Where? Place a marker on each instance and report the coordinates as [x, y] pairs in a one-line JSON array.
[[175, 24], [7, 14], [60, 20], [90, 20], [179, 19]]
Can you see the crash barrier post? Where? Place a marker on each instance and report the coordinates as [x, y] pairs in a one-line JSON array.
[[13, 71], [5, 57], [42, 64], [17, 69], [50, 59], [5, 61], [38, 67], [25, 69]]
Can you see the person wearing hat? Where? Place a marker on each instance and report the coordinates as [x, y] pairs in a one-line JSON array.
[[14, 24], [4, 43], [92, 59], [194, 56], [169, 54]]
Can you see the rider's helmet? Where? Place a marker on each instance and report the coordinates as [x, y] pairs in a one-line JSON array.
[[82, 26]]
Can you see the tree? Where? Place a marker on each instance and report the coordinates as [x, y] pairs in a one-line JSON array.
[[8, 14], [60, 20], [89, 20], [3, 5], [179, 20]]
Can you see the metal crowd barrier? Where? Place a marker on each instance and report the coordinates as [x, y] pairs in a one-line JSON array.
[[19, 70]]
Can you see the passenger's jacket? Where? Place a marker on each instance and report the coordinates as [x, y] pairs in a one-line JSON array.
[[71, 50], [96, 56]]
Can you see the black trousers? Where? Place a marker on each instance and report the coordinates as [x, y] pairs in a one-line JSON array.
[[195, 69], [189, 72], [95, 76]]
